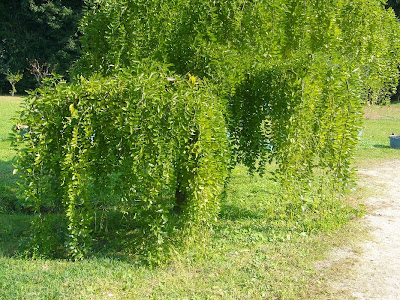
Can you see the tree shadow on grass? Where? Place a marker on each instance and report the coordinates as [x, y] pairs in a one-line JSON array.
[[382, 146], [13, 230], [235, 213], [118, 238], [15, 235], [8, 188]]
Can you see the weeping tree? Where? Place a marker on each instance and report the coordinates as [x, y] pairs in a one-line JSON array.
[[169, 95]]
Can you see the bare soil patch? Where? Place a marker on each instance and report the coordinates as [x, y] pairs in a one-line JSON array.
[[374, 266], [372, 116]]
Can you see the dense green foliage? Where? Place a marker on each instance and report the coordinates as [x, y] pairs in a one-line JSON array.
[[152, 149], [283, 81], [395, 5], [37, 31]]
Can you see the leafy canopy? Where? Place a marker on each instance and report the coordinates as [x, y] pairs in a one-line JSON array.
[[165, 90]]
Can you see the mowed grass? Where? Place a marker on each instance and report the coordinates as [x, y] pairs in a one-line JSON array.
[[8, 108], [379, 123], [254, 252]]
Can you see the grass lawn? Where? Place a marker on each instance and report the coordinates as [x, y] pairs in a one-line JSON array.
[[379, 123], [8, 107], [251, 255]]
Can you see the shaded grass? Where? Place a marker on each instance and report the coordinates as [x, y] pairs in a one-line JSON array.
[[12, 230], [247, 257], [254, 252], [224, 271], [231, 270]]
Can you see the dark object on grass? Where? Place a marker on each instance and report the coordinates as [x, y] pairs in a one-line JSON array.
[[395, 141]]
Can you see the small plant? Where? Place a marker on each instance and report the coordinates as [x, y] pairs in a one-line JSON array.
[[13, 79]]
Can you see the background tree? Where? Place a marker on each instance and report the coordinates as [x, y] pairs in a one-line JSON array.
[[395, 4], [43, 31]]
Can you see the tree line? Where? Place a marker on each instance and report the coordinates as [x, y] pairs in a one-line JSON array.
[[37, 37]]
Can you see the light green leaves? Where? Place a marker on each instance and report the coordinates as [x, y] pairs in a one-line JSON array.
[[73, 111], [138, 147], [137, 134]]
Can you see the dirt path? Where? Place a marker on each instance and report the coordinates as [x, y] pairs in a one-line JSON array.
[[376, 271]]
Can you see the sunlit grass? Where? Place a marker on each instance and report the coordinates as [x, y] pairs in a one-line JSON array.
[[379, 123], [8, 108]]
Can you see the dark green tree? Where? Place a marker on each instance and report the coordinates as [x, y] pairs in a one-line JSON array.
[[395, 4], [38, 31]]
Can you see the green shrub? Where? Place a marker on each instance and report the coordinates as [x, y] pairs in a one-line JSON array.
[[138, 142]]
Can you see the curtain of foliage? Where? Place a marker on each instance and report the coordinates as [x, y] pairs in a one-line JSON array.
[[45, 31], [284, 81], [151, 149], [395, 5]]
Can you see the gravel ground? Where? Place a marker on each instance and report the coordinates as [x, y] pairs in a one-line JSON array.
[[376, 271]]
